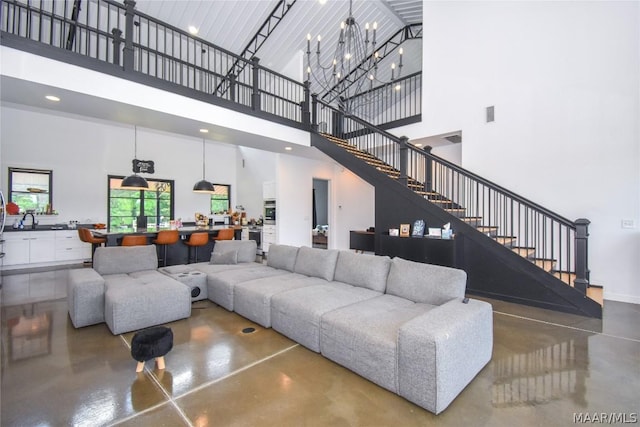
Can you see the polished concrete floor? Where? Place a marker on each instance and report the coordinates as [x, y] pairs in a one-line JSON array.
[[547, 369]]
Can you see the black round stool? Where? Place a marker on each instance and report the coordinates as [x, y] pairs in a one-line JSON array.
[[152, 343]]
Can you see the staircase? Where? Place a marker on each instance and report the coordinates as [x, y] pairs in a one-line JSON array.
[[550, 277]]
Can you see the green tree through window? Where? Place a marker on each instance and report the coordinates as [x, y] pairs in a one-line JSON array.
[[220, 200], [156, 203]]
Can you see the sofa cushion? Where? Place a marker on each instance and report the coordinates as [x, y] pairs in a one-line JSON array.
[[425, 283], [125, 259], [316, 262], [297, 313], [229, 257], [363, 336], [246, 249], [282, 257], [252, 299], [142, 299], [367, 271], [221, 286]]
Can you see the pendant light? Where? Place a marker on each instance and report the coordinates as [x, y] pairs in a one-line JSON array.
[[135, 181], [203, 186]]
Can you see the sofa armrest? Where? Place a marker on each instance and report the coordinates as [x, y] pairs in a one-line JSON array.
[[442, 350], [85, 297]]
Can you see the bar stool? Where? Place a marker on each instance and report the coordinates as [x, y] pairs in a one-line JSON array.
[[134, 240], [224, 234], [165, 238], [86, 236], [196, 240]]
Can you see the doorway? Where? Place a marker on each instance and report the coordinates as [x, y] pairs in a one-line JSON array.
[[320, 231]]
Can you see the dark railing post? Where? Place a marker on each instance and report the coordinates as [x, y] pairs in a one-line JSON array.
[[255, 94], [128, 34], [337, 123], [117, 41], [428, 169], [314, 112], [404, 153], [306, 104], [232, 87], [582, 254]]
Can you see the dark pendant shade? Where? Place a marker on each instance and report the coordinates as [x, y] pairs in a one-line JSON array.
[[135, 182], [203, 186]]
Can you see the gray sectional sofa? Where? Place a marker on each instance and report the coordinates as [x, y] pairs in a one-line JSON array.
[[403, 325]]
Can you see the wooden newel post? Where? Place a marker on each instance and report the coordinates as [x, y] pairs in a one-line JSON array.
[[117, 41], [129, 14], [404, 153], [255, 94], [582, 255]]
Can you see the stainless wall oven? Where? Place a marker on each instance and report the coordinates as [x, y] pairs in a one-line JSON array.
[[270, 211]]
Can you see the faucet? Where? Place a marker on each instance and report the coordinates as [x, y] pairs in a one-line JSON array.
[[33, 220]]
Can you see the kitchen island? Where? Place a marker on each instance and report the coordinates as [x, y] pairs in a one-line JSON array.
[[177, 253]]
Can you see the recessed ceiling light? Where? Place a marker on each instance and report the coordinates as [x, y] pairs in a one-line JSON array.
[[193, 30], [288, 148], [204, 130], [322, 1], [52, 98]]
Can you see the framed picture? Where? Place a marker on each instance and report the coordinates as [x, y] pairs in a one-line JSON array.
[[404, 230], [394, 232], [418, 228], [435, 232]]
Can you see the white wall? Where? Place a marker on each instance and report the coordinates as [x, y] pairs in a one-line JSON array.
[[351, 201], [254, 168], [563, 77], [82, 152]]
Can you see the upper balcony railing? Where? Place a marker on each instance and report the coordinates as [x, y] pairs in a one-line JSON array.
[[118, 35]]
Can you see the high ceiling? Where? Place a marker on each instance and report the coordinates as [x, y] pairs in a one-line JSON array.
[[231, 24]]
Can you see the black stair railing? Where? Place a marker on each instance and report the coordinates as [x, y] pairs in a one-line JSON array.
[[556, 244], [117, 34]]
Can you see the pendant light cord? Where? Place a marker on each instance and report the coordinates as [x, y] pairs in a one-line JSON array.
[[203, 158]]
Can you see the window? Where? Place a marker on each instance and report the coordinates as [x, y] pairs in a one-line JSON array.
[[30, 189], [157, 203], [220, 200]]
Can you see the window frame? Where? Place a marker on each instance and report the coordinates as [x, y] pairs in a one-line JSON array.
[[141, 197], [48, 172], [211, 199]]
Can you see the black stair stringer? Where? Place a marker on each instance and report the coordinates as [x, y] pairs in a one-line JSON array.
[[493, 270]]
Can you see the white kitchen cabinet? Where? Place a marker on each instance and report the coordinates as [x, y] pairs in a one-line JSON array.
[[41, 247], [269, 190], [69, 247], [29, 247], [268, 236], [16, 248]]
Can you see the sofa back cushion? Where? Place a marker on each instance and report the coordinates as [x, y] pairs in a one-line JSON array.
[[246, 249], [425, 283], [125, 259], [282, 257], [366, 271], [316, 262]]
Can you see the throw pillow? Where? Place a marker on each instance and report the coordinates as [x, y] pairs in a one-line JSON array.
[[230, 257]]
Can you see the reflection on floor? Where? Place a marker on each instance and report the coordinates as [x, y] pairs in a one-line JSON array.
[[547, 369]]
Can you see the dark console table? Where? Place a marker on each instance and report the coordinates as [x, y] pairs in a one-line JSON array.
[[430, 250], [363, 241]]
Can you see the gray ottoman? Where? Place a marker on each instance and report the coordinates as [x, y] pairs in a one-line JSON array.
[[142, 299]]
